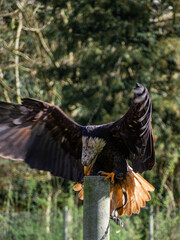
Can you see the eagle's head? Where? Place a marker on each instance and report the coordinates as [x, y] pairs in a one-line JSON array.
[[91, 147]]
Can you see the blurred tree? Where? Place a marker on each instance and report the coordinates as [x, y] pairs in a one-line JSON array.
[[86, 56]]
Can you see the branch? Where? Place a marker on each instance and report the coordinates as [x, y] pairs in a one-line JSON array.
[[17, 52], [173, 204], [6, 89], [37, 29], [9, 14], [40, 36], [18, 34], [47, 49]]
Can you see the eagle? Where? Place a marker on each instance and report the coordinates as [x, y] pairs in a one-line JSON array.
[[43, 136]]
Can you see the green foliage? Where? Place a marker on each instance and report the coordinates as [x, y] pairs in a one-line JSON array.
[[166, 226], [86, 56], [29, 226], [24, 226], [32, 225]]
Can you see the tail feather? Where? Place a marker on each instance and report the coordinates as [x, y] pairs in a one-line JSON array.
[[121, 210], [146, 184], [128, 186], [81, 194], [134, 197], [117, 199], [142, 190], [140, 194], [78, 187], [136, 201], [137, 207], [137, 190]]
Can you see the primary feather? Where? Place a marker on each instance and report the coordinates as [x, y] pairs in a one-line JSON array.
[[43, 136]]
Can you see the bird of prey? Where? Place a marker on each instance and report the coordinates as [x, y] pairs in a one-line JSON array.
[[44, 137]]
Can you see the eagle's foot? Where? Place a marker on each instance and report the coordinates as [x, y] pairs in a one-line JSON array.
[[117, 220], [109, 175]]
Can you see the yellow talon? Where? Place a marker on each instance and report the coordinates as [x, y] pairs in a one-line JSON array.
[[109, 175]]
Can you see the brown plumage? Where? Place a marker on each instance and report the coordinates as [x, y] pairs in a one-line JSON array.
[[43, 136]]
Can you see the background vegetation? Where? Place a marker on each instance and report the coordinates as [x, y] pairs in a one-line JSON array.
[[86, 56]]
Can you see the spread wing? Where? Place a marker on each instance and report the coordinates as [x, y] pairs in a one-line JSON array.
[[136, 132], [43, 136]]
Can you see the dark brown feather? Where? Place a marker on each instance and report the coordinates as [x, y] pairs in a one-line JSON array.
[[43, 136], [136, 132]]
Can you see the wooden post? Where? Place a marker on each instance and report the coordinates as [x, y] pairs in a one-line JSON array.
[[65, 211], [96, 214]]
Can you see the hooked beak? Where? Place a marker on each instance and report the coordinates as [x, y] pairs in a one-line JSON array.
[[87, 169]]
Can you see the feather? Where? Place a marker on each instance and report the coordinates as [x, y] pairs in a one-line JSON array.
[[81, 194], [130, 185], [43, 136], [134, 129], [136, 188], [33, 132], [117, 199], [145, 183], [77, 187]]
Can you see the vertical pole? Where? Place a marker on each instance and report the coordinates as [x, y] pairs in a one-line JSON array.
[[65, 211], [96, 214], [151, 232]]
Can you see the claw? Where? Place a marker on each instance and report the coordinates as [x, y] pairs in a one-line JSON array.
[[109, 175], [116, 219]]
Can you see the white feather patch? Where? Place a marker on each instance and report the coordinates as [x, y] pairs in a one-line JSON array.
[[91, 147]]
